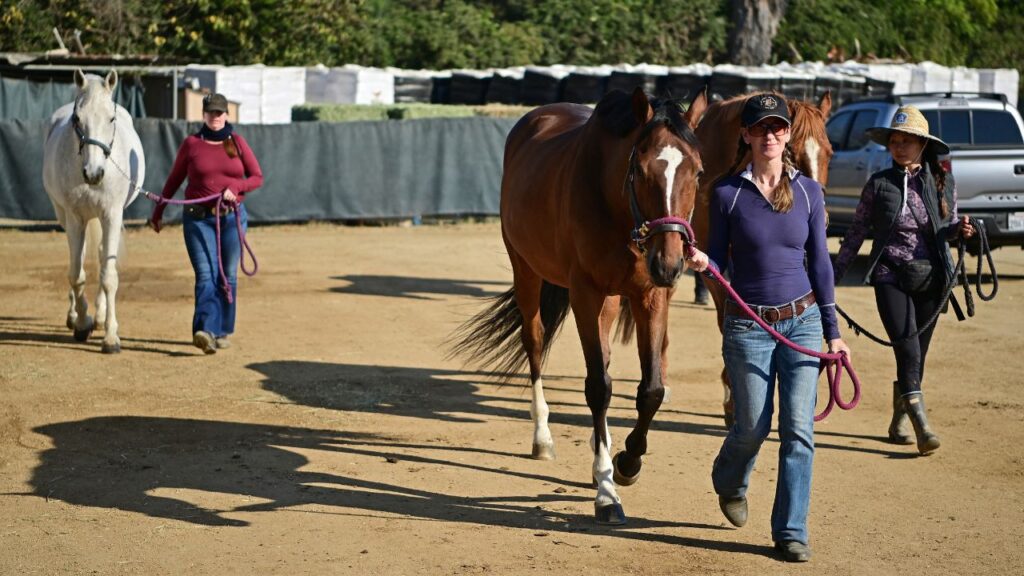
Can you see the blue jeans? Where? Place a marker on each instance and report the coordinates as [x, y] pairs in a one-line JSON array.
[[213, 313], [754, 361]]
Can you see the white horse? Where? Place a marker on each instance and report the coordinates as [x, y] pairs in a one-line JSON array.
[[93, 166]]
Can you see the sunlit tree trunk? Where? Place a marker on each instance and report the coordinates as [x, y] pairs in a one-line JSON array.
[[754, 25]]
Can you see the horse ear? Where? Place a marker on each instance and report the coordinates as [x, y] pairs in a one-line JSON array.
[[111, 80], [641, 106], [825, 103], [79, 78], [697, 107]]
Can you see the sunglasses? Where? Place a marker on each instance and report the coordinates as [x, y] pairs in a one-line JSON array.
[[761, 129]]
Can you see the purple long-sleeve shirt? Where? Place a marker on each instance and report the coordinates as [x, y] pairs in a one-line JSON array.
[[765, 249]]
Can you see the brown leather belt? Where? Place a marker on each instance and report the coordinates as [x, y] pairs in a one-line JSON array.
[[773, 314], [200, 211]]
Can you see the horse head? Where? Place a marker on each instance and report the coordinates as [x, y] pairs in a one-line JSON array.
[[94, 121], [664, 167], [809, 141]]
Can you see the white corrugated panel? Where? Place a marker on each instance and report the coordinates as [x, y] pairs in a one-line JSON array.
[[931, 77], [242, 84], [1000, 80], [350, 84], [283, 88]]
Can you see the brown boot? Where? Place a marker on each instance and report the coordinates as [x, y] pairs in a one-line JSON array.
[[898, 433], [927, 441]]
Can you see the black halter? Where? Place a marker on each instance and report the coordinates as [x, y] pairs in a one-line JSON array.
[[644, 229], [83, 140]]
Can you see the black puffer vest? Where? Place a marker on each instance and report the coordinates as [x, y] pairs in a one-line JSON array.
[[891, 197]]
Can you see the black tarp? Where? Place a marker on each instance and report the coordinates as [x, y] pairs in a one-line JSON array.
[[312, 170], [38, 100]]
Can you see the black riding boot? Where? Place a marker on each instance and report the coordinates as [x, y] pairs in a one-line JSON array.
[[927, 441], [898, 425]]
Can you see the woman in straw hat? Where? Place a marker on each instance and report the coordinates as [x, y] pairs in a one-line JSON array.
[[910, 210]]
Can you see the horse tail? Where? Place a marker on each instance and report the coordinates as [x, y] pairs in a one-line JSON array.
[[625, 325], [492, 337]]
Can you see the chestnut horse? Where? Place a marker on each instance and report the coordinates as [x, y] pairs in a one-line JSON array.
[[591, 205], [719, 135]]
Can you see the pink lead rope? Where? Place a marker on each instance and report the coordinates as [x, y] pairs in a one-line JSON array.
[[828, 359], [220, 259]]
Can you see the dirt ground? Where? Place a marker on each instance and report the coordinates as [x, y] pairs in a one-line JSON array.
[[335, 438]]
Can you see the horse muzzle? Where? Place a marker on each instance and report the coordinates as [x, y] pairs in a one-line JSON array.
[[93, 177], [664, 268]]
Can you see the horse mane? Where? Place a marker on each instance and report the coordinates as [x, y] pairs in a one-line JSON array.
[[802, 128], [614, 112]]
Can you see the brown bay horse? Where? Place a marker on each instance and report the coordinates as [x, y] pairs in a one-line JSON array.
[[591, 204], [719, 135]]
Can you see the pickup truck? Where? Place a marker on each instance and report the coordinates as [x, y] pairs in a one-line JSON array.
[[986, 157]]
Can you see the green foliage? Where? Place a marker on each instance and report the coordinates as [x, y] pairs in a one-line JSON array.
[[943, 31], [441, 34]]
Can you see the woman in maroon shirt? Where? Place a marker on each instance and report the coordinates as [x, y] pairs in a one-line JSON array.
[[216, 161]]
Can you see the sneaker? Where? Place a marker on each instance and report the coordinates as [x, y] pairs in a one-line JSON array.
[[793, 551], [735, 510], [222, 342], [205, 342]]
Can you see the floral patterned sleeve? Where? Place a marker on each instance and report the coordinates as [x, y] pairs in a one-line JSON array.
[[856, 234]]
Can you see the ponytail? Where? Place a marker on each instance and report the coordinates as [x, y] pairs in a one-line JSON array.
[[230, 147]]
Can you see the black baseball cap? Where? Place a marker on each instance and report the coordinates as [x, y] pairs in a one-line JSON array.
[[761, 106], [215, 103]]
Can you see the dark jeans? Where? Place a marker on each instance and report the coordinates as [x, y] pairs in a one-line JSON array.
[[213, 313], [901, 315]]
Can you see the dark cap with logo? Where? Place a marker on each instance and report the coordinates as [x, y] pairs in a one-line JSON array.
[[215, 103], [761, 106]]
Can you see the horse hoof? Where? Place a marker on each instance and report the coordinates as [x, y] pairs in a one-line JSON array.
[[111, 348], [70, 323], [543, 452], [82, 335], [620, 478], [609, 514]]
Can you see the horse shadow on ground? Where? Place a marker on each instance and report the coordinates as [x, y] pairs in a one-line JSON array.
[[140, 464], [436, 394], [37, 332], [457, 396], [415, 288]]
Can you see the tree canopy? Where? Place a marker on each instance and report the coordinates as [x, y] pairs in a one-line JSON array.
[[443, 34]]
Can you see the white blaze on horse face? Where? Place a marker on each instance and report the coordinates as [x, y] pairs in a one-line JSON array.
[[673, 158], [811, 150]]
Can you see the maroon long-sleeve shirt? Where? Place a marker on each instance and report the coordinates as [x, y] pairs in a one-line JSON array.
[[210, 170]]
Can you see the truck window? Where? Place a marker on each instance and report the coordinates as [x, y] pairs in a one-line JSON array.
[[955, 126], [837, 128], [862, 121], [995, 127]]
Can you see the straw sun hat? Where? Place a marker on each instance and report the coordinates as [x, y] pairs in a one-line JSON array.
[[908, 120]]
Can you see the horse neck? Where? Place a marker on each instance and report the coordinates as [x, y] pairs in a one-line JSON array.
[[611, 156]]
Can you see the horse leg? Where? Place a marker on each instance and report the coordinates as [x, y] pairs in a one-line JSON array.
[[719, 296], [651, 314], [81, 323], [109, 280], [93, 236], [528, 286], [595, 314]]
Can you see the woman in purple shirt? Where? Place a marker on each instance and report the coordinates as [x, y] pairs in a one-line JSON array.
[[911, 211], [765, 223]]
